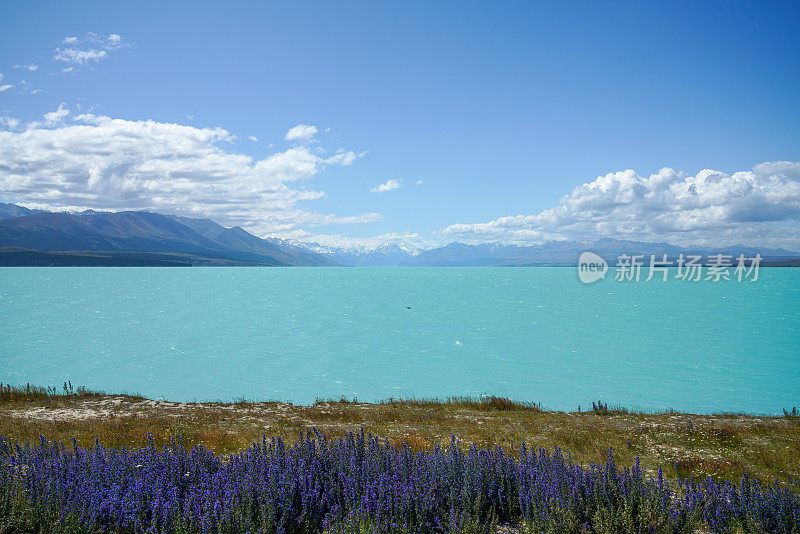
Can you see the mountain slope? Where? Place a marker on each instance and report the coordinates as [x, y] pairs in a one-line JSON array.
[[237, 238], [195, 241], [9, 211]]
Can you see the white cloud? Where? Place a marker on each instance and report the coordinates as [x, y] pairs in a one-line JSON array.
[[81, 57], [389, 185], [116, 164], [92, 48], [419, 182], [22, 86], [301, 132], [9, 122], [346, 157], [56, 116], [31, 67], [761, 206], [253, 138]]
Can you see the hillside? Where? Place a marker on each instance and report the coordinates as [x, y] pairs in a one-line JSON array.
[[135, 238]]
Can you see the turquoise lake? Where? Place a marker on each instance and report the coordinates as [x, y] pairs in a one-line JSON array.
[[295, 334]]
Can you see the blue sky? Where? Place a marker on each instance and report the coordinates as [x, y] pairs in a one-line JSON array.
[[494, 120]]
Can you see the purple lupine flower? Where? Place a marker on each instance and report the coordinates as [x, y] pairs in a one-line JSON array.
[[357, 483]]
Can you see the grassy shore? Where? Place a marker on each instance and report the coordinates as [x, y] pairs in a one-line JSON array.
[[720, 445]]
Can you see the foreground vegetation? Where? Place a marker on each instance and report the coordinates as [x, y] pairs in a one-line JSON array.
[[123, 468], [361, 484], [722, 446]]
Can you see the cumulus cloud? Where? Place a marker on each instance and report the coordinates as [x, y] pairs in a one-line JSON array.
[[759, 206], [9, 122], [6, 87], [31, 67], [253, 138], [388, 185], [57, 115], [90, 49], [104, 163], [301, 132]]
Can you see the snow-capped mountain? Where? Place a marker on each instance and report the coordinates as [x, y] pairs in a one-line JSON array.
[[550, 253], [358, 255]]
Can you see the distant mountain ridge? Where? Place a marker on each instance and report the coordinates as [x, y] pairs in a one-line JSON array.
[[555, 253], [136, 237], [36, 237]]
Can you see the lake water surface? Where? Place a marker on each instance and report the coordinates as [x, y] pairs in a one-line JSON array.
[[294, 334]]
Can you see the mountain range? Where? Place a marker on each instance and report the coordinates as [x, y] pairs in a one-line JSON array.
[[135, 238], [29, 237], [554, 253]]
